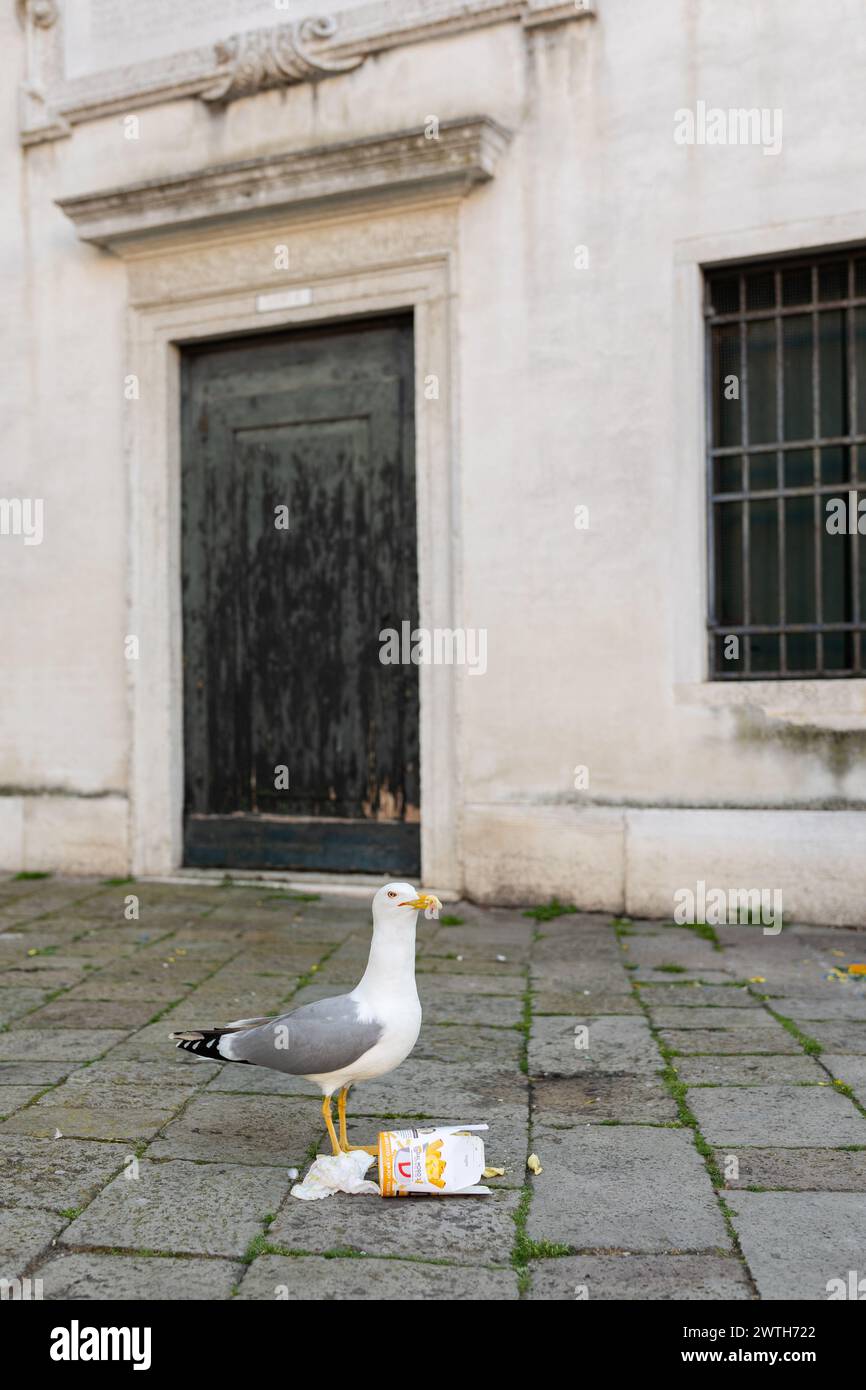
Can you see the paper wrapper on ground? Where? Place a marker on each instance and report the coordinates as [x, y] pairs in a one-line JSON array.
[[440, 1162]]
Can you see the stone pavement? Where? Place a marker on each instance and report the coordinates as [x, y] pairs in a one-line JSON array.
[[696, 1100]]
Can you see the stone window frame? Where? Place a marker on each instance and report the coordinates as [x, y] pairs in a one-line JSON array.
[[838, 706]]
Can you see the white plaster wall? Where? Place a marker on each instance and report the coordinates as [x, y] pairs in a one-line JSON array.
[[574, 387], [63, 725]]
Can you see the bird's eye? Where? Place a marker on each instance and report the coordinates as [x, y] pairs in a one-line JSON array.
[[392, 895]]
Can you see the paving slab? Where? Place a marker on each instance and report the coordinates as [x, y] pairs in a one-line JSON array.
[[59, 1174], [36, 1074], [617, 1044], [697, 996], [501, 1011], [278, 955], [796, 1243], [67, 1044], [232, 989], [619, 1187], [112, 1278], [259, 1081], [570, 924], [341, 977], [173, 1069], [95, 988], [750, 936], [451, 941], [454, 965], [463, 1043], [463, 1230], [664, 974], [203, 1008], [802, 1170], [259, 1130], [818, 988], [80, 1014], [774, 968], [676, 946], [587, 1001], [602, 1097], [789, 1116], [120, 1122], [47, 968], [182, 1208], [60, 977], [97, 948], [584, 948], [648, 1278], [713, 1018], [24, 1234], [159, 969], [167, 1083], [467, 983], [26, 898], [312, 1278], [849, 1069], [13, 1097], [731, 1040], [840, 1037], [566, 977], [839, 1005], [15, 1002], [491, 924], [158, 981], [748, 1071]]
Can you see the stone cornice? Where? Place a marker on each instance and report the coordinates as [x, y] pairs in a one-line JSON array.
[[242, 64], [462, 154]]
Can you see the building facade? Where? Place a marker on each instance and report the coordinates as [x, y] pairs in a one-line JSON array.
[[544, 324]]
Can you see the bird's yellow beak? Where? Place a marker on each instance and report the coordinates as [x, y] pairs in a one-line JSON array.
[[423, 901]]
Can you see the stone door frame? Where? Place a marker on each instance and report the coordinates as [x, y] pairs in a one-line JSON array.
[[218, 284]]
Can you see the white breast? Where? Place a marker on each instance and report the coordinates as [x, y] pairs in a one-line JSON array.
[[401, 1027]]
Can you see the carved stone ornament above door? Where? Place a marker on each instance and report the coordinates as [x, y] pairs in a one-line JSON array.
[[92, 58], [273, 57]]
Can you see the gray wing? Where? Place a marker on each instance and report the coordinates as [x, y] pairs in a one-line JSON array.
[[317, 1038]]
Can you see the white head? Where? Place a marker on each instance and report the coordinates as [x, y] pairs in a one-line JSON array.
[[398, 904]]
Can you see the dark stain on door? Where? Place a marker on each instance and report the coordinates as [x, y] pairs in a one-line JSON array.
[[299, 547]]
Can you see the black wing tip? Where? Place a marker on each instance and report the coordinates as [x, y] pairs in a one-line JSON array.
[[205, 1043]]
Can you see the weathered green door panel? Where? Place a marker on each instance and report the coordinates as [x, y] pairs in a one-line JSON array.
[[281, 648]]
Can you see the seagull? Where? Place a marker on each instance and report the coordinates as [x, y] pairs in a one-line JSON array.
[[337, 1041]]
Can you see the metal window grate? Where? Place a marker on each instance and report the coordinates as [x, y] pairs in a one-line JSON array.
[[786, 463]]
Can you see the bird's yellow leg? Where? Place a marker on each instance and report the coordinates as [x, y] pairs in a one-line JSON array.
[[326, 1116], [341, 1112], [344, 1138]]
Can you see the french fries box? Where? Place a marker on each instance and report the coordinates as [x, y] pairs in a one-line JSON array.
[[440, 1162]]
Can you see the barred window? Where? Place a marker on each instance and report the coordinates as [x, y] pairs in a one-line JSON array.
[[787, 467]]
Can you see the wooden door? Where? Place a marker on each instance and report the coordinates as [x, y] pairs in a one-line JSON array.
[[299, 547]]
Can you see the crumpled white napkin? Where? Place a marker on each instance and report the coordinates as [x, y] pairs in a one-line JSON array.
[[336, 1173]]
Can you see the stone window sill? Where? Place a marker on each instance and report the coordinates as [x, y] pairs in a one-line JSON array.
[[824, 704]]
